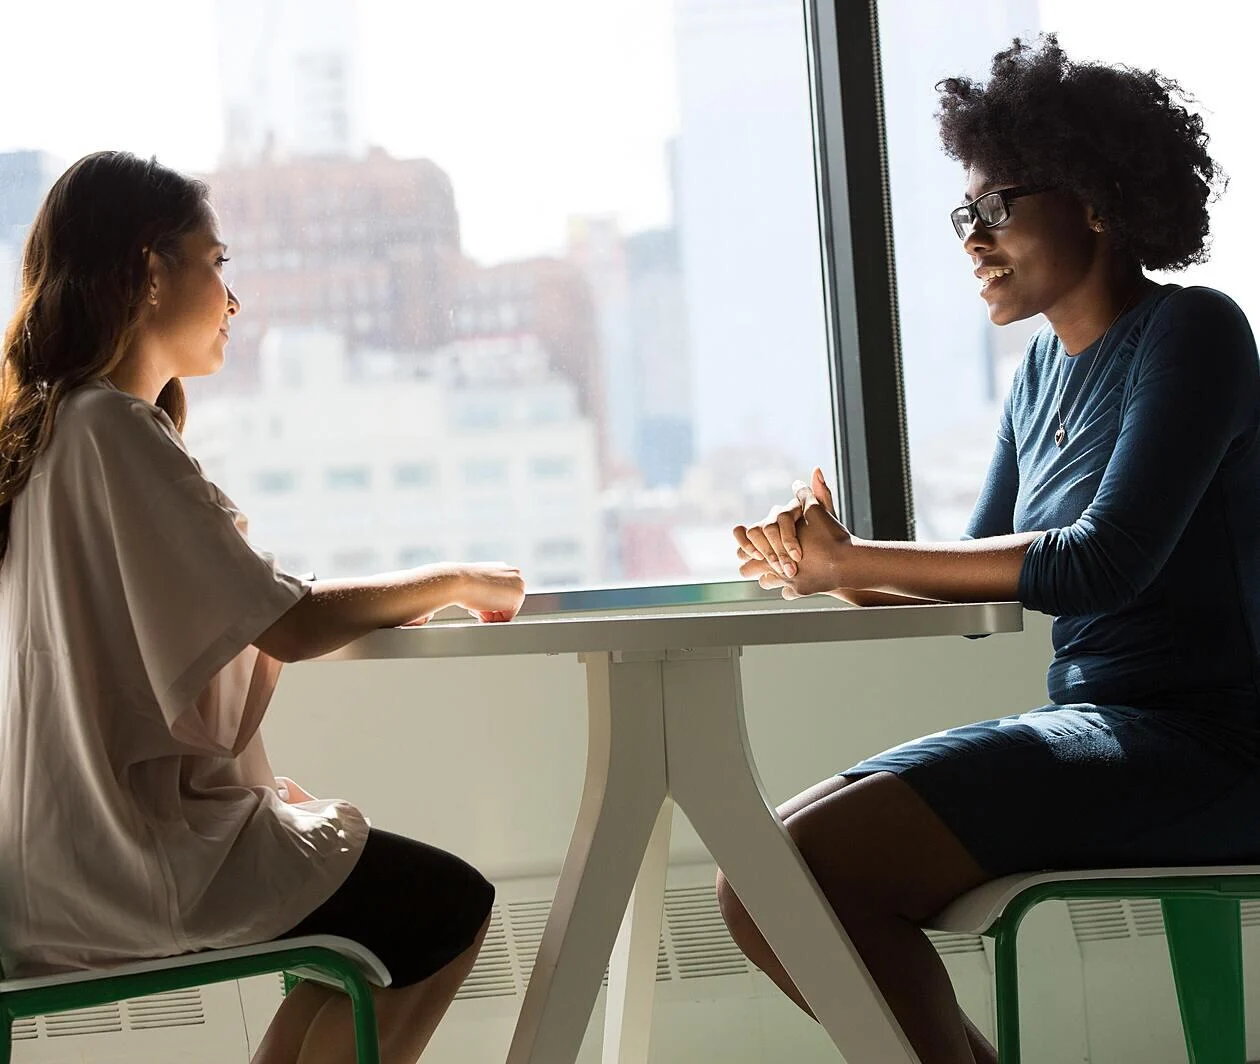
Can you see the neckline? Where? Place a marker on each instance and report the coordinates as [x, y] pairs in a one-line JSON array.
[[105, 382], [1092, 349]]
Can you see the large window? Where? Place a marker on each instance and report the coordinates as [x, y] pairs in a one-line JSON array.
[[517, 276], [958, 366], [538, 282]]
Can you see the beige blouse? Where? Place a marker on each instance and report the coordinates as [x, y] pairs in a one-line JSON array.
[[139, 816]]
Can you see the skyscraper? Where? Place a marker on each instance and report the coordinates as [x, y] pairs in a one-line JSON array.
[[289, 71], [544, 297], [957, 365], [661, 357], [368, 247], [947, 343]]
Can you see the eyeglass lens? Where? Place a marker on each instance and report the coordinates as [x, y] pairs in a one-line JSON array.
[[990, 209]]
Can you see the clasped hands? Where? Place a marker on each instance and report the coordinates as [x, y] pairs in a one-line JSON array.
[[801, 548]]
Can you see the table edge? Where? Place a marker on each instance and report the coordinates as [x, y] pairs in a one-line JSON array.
[[699, 630]]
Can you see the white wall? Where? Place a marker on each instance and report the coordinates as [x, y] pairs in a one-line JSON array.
[[485, 757]]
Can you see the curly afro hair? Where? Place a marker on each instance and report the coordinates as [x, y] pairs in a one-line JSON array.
[[1119, 139]]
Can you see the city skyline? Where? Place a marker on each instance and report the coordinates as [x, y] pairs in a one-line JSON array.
[[507, 141], [733, 290]]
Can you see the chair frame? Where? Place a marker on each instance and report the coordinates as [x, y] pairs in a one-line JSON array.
[[1202, 923], [319, 963]]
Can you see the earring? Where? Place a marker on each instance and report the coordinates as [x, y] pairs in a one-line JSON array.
[[1097, 227]]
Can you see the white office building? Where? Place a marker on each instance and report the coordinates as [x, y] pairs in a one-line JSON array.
[[478, 452]]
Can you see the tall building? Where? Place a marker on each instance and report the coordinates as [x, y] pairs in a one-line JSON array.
[[948, 346], [289, 70], [595, 247], [25, 178], [636, 283], [660, 353], [547, 298], [367, 247], [957, 365]]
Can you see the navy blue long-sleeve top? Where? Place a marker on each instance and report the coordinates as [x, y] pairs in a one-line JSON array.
[[1150, 558]]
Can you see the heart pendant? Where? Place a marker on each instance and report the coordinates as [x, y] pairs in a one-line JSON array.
[[1059, 436]]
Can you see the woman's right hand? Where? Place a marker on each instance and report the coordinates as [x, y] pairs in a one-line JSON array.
[[491, 592]]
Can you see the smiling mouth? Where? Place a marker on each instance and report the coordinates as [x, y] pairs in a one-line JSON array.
[[988, 278]]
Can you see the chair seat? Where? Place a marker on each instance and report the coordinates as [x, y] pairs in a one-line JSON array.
[[363, 958], [978, 910]]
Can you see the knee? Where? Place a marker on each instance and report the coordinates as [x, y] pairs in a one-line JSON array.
[[469, 908], [740, 925], [481, 895]]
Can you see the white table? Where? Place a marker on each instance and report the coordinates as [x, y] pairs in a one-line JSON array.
[[667, 725]]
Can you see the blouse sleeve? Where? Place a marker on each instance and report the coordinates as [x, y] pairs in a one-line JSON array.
[[1193, 393], [193, 590]]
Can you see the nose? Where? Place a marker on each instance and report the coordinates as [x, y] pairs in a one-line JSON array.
[[978, 239], [234, 304]]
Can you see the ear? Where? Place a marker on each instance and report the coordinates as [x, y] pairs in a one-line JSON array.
[[157, 275], [1094, 220]]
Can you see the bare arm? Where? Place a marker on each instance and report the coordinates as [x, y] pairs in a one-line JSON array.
[[870, 572], [977, 570], [337, 612]]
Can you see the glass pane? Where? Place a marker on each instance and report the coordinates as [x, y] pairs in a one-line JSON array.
[[537, 282], [957, 365]]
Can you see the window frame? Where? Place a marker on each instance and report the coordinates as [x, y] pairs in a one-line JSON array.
[[859, 269]]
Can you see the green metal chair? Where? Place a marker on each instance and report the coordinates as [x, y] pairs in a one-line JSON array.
[[1201, 922], [326, 959]]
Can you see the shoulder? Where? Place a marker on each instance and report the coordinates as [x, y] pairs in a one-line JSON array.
[[1197, 349], [1201, 308], [100, 421]]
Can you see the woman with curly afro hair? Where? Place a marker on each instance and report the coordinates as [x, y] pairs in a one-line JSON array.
[[1123, 498]]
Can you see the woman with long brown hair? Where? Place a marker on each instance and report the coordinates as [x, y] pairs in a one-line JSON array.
[[142, 636]]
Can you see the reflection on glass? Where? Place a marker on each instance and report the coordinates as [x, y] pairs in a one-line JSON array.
[[957, 365], [583, 282]]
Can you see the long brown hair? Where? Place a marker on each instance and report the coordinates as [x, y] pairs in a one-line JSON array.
[[84, 284]]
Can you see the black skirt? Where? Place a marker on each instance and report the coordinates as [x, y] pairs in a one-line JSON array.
[[415, 906]]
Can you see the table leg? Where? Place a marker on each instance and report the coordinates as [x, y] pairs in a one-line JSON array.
[[713, 778], [632, 970], [622, 795]]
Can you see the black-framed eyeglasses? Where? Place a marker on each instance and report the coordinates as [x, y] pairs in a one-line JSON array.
[[993, 208]]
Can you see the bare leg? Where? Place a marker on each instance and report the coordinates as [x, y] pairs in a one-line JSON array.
[[886, 862], [406, 1018], [981, 1048], [287, 1030]]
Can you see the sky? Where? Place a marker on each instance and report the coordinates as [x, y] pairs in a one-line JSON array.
[[537, 111], [1209, 48]]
